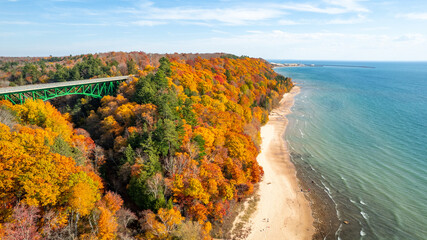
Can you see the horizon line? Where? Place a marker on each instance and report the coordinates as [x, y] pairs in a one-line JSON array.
[[221, 52]]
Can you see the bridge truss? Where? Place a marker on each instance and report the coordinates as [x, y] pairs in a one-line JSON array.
[[92, 87]]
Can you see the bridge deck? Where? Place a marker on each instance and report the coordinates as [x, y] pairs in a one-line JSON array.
[[43, 86]]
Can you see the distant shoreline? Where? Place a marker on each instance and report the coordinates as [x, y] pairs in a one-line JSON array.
[[288, 65], [275, 65]]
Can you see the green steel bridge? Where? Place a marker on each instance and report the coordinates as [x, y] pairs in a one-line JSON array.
[[97, 88]]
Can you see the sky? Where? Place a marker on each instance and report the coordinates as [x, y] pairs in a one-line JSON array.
[[374, 30]]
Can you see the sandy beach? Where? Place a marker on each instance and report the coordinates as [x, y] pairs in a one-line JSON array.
[[283, 212]]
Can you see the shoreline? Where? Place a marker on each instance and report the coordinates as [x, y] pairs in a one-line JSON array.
[[324, 212], [283, 211]]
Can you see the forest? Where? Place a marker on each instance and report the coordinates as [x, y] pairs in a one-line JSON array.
[[165, 158], [16, 71]]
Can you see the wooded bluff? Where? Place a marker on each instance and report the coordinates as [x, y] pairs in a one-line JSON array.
[[163, 159]]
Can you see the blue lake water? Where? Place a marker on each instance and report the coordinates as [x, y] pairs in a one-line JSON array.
[[364, 130]]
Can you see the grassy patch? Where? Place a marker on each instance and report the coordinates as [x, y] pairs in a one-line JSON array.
[[235, 223], [241, 229]]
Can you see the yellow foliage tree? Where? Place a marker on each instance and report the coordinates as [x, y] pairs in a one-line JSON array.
[[28, 168], [84, 193], [44, 115], [107, 225], [161, 226], [195, 189]]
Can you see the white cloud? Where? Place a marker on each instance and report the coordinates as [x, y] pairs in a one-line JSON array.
[[349, 5], [414, 38], [219, 31], [338, 21], [334, 7], [120, 24], [235, 16], [288, 22], [230, 15], [7, 34], [414, 16], [85, 24], [147, 23], [16, 23], [311, 8], [148, 13], [254, 32], [252, 14], [376, 28], [280, 44], [359, 19]]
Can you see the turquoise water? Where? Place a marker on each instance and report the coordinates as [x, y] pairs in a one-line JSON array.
[[364, 131]]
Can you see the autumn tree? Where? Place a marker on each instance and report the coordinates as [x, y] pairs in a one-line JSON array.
[[23, 225], [162, 224], [38, 176]]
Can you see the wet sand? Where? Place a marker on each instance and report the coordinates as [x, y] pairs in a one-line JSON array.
[[323, 208]]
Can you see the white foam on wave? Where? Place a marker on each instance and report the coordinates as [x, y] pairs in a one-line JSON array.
[[362, 233], [302, 134], [365, 215], [328, 191], [362, 202], [337, 233]]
